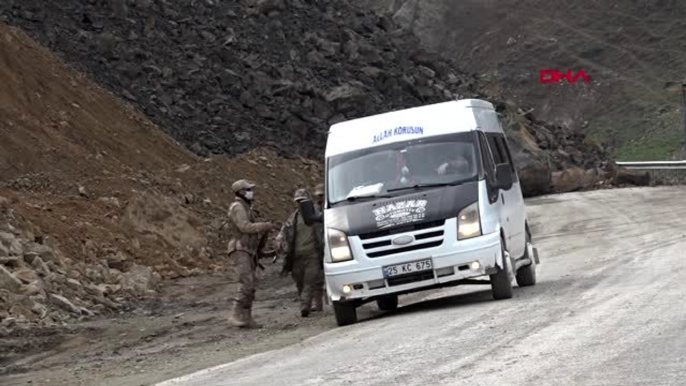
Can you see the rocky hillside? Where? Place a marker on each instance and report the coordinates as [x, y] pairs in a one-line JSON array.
[[633, 51], [224, 77], [97, 204]]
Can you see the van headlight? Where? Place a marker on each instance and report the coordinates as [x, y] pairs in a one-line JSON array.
[[339, 246], [468, 222]]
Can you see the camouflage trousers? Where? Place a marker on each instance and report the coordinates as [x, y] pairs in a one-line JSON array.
[[308, 275], [246, 271]]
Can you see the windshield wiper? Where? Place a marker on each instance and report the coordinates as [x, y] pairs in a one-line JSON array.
[[366, 196], [361, 197], [422, 186]]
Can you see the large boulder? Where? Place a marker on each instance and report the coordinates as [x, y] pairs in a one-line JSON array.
[[64, 303], [632, 177], [8, 281], [11, 244], [570, 180], [139, 280], [535, 177], [26, 275], [533, 165]]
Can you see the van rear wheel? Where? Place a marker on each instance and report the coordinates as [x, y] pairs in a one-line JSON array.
[[526, 276], [501, 282], [388, 303], [346, 313]]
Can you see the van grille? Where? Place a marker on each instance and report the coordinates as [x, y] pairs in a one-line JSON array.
[[403, 229], [415, 247], [426, 235]]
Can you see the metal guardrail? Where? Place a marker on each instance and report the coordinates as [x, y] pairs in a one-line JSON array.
[[654, 165]]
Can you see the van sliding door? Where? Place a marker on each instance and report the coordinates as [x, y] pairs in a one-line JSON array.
[[513, 201]]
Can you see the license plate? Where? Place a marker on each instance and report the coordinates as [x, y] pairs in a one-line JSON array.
[[407, 268]]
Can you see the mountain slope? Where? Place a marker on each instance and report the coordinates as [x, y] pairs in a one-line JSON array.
[[224, 77], [229, 76], [633, 51]]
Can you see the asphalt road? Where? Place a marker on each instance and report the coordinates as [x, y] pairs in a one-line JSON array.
[[608, 310]]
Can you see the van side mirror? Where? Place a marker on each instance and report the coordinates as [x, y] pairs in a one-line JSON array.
[[309, 213], [503, 176]]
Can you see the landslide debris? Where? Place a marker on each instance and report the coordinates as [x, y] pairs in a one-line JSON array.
[[98, 206], [225, 77]]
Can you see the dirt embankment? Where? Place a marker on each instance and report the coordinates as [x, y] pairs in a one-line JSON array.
[[99, 209]]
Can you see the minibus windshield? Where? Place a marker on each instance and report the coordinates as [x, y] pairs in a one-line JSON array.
[[380, 171]]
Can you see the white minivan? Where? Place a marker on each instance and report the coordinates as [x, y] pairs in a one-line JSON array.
[[419, 199]]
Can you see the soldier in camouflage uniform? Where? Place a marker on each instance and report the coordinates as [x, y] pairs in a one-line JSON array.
[[302, 248], [243, 249]]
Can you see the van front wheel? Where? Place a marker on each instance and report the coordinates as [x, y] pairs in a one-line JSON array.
[[501, 282], [346, 313]]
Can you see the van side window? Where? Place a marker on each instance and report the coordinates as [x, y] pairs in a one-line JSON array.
[[489, 168], [487, 158], [505, 150], [497, 152]]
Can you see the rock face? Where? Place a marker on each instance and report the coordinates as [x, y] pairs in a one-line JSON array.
[[224, 77]]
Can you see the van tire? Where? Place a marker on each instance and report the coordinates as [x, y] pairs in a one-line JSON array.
[[346, 313], [388, 303], [526, 276], [501, 282]]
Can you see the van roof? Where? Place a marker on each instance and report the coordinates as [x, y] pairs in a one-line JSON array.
[[402, 125]]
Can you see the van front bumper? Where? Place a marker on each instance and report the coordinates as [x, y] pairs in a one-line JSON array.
[[453, 261]]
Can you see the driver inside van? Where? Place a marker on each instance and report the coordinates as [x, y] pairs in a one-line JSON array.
[[456, 164]]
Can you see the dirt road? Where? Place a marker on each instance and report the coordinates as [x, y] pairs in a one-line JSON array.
[[608, 310]]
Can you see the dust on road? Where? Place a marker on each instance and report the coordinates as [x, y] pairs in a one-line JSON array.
[[607, 311]]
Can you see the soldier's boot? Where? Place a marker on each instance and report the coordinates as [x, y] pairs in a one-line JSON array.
[[305, 308], [305, 312], [318, 302], [237, 318], [251, 323]]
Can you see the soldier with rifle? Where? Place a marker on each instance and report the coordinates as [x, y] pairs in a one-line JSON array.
[[301, 246], [248, 239]]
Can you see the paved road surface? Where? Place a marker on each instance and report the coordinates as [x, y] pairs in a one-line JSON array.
[[608, 310]]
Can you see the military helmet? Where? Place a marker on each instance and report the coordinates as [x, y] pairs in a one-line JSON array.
[[301, 195], [319, 190], [241, 185]]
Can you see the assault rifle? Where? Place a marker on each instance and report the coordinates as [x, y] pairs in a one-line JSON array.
[[261, 254]]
